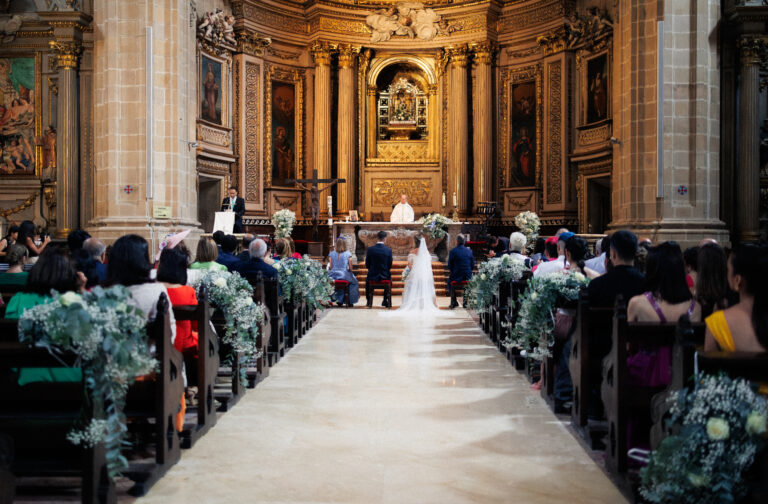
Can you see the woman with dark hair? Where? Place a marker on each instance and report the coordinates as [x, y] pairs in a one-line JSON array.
[[129, 266], [8, 240], [172, 272], [538, 251], [576, 251], [744, 326], [690, 258], [712, 279], [27, 238]]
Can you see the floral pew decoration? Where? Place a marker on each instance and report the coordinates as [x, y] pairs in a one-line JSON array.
[[717, 431], [534, 330], [233, 296], [485, 284], [109, 339], [435, 226], [283, 221], [305, 280]]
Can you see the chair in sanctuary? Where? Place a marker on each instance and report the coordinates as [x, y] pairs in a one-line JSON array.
[[343, 285], [386, 285]]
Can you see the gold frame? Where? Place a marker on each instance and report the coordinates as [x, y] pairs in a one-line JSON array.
[[293, 76], [226, 84], [583, 64], [510, 77], [38, 56]]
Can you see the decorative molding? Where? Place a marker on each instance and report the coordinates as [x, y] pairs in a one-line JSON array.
[[517, 202], [402, 151], [253, 176], [212, 166], [321, 53], [251, 44], [285, 55], [386, 192], [554, 126], [213, 136], [458, 55], [67, 53], [597, 134], [337, 25], [271, 18], [591, 32], [348, 55], [523, 53], [530, 15], [484, 53], [220, 50], [7, 212]]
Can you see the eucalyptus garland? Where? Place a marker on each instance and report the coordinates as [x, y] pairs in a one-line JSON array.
[[109, 338], [536, 319], [435, 225], [305, 280], [485, 283]]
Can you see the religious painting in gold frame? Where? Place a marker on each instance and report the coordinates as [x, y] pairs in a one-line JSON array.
[[595, 88], [213, 88], [284, 132], [520, 132], [21, 153]]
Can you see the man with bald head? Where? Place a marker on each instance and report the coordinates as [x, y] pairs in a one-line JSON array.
[[97, 250], [403, 212]]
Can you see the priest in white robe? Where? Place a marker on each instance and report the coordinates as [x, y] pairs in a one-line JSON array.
[[403, 212]]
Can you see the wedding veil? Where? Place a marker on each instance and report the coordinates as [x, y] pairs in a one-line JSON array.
[[419, 294]]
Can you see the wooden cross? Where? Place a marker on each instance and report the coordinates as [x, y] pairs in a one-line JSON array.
[[314, 195]]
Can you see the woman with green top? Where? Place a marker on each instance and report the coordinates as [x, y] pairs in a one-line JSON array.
[[205, 258], [16, 256]]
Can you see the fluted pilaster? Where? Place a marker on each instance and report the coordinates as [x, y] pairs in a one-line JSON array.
[[322, 124], [346, 128], [748, 168], [458, 128], [68, 138], [484, 55]]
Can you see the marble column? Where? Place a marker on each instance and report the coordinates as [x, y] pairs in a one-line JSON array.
[[748, 167], [458, 128], [484, 54], [68, 138], [322, 121], [346, 129]]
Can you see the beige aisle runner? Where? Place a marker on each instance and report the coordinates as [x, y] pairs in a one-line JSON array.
[[367, 410]]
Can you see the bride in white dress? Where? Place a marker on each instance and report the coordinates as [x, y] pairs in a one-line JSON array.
[[419, 294]]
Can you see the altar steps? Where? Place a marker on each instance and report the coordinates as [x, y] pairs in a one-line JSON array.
[[439, 270]]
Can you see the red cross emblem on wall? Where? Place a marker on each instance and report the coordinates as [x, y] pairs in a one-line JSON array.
[[128, 189], [682, 190]]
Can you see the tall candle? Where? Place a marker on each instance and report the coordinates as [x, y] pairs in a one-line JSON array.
[[443, 199], [330, 206], [454, 199]]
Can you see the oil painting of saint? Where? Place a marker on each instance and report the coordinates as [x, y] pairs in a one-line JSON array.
[[210, 88], [597, 95], [17, 116], [283, 132], [523, 142]]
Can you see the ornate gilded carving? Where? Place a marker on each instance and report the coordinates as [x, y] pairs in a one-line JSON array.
[[508, 78], [523, 53], [407, 19], [49, 193], [554, 149], [753, 50], [516, 202], [7, 212], [591, 31], [532, 14], [286, 55], [272, 17], [213, 136], [336, 25], [387, 192], [252, 44], [403, 151], [292, 75], [348, 55], [484, 52], [458, 55], [67, 53], [321, 53], [253, 176], [372, 90]]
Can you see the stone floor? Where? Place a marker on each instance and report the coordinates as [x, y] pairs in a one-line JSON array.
[[373, 410]]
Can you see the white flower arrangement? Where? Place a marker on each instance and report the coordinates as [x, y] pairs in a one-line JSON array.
[[305, 279], [536, 319], [716, 429], [435, 225], [109, 338], [529, 224], [233, 295], [485, 284], [283, 221]]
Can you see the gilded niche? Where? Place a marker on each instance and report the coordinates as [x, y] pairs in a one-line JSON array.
[[387, 192]]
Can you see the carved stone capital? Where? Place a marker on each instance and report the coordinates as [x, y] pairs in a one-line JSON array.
[[753, 50], [321, 52], [372, 90], [67, 53], [348, 55], [484, 52], [432, 89], [252, 44], [458, 56]]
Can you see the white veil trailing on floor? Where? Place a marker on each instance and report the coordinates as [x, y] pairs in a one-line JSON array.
[[419, 295]]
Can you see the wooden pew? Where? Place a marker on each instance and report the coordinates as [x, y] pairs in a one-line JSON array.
[[207, 368], [261, 371], [500, 313], [274, 302], [517, 288], [293, 324], [8, 291], [591, 323], [40, 448], [229, 387]]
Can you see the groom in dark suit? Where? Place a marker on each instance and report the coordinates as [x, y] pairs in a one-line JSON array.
[[378, 260], [237, 205], [461, 262]]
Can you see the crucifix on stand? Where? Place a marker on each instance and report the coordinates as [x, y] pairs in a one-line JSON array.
[[311, 185]]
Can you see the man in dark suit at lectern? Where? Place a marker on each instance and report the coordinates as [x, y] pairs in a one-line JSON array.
[[237, 205]]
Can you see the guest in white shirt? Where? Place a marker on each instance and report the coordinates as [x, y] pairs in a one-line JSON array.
[[597, 264], [558, 264], [403, 212]]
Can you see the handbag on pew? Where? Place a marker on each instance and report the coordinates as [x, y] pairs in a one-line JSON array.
[[564, 319]]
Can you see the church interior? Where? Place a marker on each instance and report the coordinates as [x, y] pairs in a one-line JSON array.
[[595, 117]]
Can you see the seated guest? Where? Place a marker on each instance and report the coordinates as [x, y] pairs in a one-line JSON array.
[[690, 256], [129, 266], [517, 243], [76, 238], [341, 269], [623, 278], [282, 249], [292, 244], [245, 255], [256, 264], [559, 263], [461, 262], [27, 239], [597, 263], [53, 271], [744, 326], [16, 257], [576, 252], [205, 258], [8, 240], [711, 288], [538, 251], [227, 255], [218, 236], [86, 264], [497, 247], [378, 260], [98, 251], [172, 272]]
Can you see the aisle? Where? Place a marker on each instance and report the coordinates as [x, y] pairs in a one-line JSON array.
[[372, 410]]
